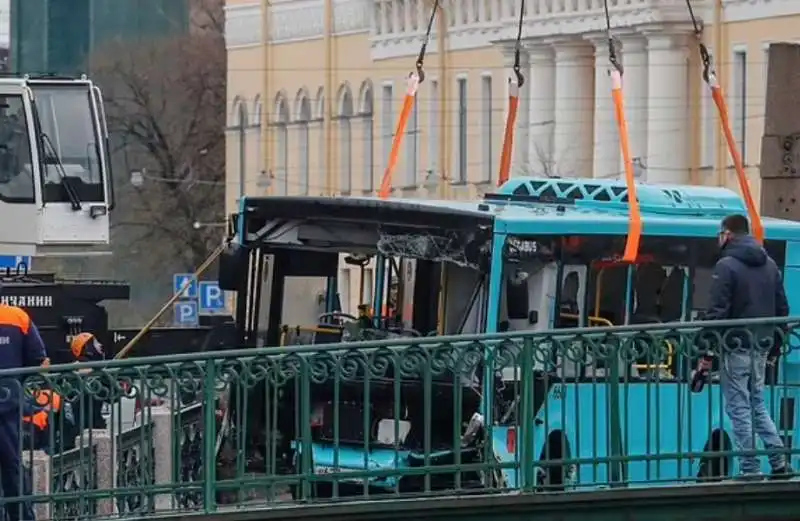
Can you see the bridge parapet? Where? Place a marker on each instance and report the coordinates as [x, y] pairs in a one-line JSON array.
[[109, 473], [567, 411]]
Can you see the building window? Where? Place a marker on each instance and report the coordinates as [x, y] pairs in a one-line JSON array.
[[366, 291], [462, 130], [346, 140], [304, 117], [387, 122], [709, 126], [740, 101], [319, 117], [433, 134], [259, 159], [368, 117], [344, 290], [412, 147], [281, 179], [241, 133], [765, 74], [487, 132]]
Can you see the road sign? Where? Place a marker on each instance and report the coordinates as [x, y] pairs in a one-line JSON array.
[[178, 282], [212, 299], [186, 313], [14, 261]]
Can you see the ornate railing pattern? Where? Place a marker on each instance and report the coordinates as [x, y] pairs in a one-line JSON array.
[[562, 410], [189, 447], [74, 476], [136, 468]]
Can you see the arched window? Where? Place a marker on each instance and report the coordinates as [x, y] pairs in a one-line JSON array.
[[303, 119], [368, 119], [412, 147], [319, 116], [281, 176], [345, 139], [241, 136], [259, 137]]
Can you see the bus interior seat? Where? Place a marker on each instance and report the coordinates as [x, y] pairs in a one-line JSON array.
[[328, 336]]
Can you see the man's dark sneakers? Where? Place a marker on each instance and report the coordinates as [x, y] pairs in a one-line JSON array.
[[785, 472]]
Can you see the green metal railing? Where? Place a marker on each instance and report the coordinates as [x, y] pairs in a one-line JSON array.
[[567, 410]]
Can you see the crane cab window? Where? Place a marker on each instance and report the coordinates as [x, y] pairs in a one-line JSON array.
[[71, 145], [16, 175]]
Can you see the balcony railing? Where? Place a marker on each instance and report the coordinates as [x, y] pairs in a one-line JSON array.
[[476, 23]]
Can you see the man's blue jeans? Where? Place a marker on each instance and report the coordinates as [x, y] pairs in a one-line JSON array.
[[742, 380]]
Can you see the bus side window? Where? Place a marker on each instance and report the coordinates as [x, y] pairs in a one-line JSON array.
[[672, 296], [569, 309], [517, 297], [701, 283], [648, 284]]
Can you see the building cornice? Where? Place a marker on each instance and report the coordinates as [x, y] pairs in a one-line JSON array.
[[392, 36], [293, 20]]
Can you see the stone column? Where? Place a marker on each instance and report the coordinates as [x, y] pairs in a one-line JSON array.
[[606, 133], [519, 160], [540, 89], [634, 85], [574, 112], [107, 465], [38, 463], [165, 431], [668, 119]]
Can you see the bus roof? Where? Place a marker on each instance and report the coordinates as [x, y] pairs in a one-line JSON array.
[[599, 206], [531, 206]]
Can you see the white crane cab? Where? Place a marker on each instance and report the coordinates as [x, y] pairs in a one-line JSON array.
[[55, 179]]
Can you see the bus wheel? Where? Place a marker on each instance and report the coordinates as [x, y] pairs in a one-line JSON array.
[[716, 468], [553, 474]]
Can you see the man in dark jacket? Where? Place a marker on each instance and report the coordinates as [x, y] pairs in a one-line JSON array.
[[746, 283]]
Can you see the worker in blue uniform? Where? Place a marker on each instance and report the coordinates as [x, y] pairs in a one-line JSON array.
[[20, 346]]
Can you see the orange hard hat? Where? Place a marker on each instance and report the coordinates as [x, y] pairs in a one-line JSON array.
[[79, 343]]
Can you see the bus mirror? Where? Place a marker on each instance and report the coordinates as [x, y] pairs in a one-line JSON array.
[[233, 267]]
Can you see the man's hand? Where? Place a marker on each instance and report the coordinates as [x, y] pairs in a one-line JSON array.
[[705, 363]]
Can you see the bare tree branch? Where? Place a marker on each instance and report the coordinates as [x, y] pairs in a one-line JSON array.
[[165, 104]]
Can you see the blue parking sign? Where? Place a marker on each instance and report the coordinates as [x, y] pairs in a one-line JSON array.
[[14, 261], [212, 298], [186, 313], [187, 281]]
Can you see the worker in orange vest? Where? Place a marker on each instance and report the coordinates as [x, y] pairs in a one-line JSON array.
[[45, 404], [21, 346], [86, 348], [89, 410]]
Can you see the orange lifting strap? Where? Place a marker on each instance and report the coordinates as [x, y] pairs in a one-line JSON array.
[[710, 77], [414, 79], [635, 215], [514, 84]]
